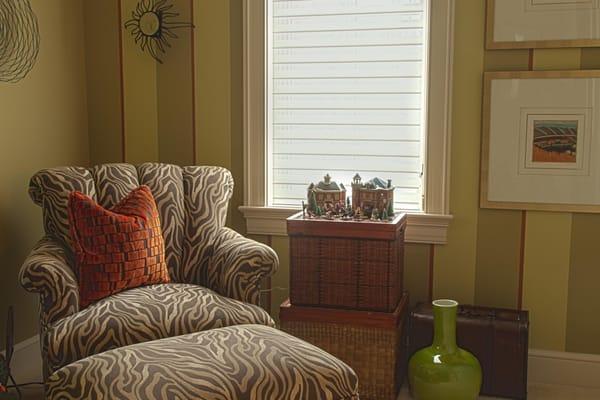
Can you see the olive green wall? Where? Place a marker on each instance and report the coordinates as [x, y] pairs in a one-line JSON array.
[[543, 261], [189, 110], [43, 123]]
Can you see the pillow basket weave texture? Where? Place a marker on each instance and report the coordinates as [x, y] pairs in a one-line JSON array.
[[116, 249]]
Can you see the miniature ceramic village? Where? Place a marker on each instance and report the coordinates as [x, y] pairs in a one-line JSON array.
[[372, 200]]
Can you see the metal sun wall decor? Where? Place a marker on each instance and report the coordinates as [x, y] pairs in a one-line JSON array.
[[19, 40], [152, 24]]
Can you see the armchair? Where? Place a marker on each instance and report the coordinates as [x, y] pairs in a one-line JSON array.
[[215, 271]]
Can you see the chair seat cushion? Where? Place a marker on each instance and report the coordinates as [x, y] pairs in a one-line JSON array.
[[246, 362], [143, 314]]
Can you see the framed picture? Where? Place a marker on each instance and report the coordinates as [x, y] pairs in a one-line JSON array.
[[524, 24], [541, 141]]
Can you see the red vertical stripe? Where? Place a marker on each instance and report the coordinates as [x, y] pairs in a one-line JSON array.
[[522, 259], [268, 284], [193, 50], [523, 228], [530, 66], [122, 82], [431, 258]]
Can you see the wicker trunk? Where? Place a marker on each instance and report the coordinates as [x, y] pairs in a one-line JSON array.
[[356, 265], [372, 343]]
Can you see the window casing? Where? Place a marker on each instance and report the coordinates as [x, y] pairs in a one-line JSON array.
[[292, 87]]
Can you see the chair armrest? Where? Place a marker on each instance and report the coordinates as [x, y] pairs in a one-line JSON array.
[[46, 271], [239, 265]]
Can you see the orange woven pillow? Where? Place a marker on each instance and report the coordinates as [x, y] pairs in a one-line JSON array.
[[116, 249]]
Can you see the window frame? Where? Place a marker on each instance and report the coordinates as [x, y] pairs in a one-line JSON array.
[[429, 226]]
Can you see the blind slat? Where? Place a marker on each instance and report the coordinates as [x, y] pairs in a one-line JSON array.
[[348, 85], [348, 132], [357, 69], [348, 53], [411, 36], [365, 147], [344, 101], [338, 22], [347, 116], [351, 163], [325, 7]]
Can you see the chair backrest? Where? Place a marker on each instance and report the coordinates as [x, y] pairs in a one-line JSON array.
[[192, 203]]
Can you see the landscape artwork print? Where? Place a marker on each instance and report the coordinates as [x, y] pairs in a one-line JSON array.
[[554, 141]]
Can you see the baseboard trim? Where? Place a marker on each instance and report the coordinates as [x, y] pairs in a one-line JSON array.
[[34, 340], [27, 362], [563, 368]]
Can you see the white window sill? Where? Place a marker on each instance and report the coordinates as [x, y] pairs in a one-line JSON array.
[[421, 227]]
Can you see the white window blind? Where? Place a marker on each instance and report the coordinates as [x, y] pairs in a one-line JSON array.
[[347, 95]]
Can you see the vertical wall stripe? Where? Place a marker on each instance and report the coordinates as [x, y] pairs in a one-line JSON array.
[[174, 78], [454, 263], [498, 231], [431, 259], [416, 271], [193, 83], [521, 258], [213, 84], [583, 328], [583, 325], [546, 277], [269, 283], [498, 249], [236, 48], [523, 221], [548, 246], [103, 70], [280, 282], [140, 96], [122, 83]]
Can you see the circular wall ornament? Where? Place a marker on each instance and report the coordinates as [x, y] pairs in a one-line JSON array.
[[19, 39], [152, 24]]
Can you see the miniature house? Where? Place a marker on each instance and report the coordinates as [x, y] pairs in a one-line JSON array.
[[374, 194], [326, 194]]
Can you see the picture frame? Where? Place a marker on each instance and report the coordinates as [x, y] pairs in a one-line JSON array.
[[528, 24], [540, 146]]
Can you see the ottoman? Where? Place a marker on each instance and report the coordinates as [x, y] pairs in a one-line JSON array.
[[237, 362]]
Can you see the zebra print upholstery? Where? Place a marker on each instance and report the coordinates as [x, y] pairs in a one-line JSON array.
[[142, 314], [192, 203], [244, 362]]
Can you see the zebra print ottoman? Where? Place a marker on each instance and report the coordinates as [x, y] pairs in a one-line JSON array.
[[243, 362]]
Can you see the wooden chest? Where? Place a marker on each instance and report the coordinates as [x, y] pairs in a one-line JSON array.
[[372, 343], [346, 264]]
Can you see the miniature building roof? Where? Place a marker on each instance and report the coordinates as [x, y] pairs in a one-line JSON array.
[[329, 185], [378, 183]]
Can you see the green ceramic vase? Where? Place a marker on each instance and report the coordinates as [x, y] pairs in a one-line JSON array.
[[443, 371]]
